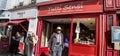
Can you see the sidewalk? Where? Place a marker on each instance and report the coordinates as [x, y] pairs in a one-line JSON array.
[[8, 54]]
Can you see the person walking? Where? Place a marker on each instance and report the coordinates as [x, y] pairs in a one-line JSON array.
[[56, 42]]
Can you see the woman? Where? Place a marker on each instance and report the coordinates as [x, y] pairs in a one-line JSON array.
[[31, 40]]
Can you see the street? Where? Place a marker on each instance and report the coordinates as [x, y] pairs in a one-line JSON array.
[[8, 54]]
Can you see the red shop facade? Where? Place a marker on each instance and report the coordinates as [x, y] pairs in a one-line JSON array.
[[92, 16]]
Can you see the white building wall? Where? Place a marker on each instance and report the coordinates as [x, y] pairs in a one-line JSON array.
[[3, 4], [12, 3], [6, 15], [33, 25], [24, 13], [27, 13], [26, 2]]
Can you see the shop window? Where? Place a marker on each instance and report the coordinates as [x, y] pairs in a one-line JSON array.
[[109, 25], [84, 30], [110, 21], [44, 38]]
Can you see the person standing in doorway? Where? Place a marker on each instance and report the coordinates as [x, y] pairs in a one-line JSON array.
[[17, 40], [21, 44], [56, 42]]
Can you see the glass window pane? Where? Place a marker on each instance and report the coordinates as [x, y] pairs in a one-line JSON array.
[[110, 21], [44, 35], [84, 31]]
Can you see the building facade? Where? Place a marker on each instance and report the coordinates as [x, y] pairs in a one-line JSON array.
[[95, 17], [22, 17], [4, 15], [23, 10]]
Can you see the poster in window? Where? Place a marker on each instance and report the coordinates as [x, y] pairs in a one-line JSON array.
[[115, 34], [117, 46]]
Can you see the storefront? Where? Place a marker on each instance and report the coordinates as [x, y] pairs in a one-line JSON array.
[[3, 40], [22, 20], [84, 22]]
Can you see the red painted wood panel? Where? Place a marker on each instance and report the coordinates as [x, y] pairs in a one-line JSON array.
[[109, 53], [82, 50], [115, 53]]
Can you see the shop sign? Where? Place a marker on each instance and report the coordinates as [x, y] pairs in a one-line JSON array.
[[21, 14], [115, 34], [66, 8], [70, 8]]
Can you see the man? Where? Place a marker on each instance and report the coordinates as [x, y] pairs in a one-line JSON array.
[[56, 42], [17, 40]]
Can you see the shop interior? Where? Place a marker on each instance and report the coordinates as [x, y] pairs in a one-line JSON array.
[[84, 31]]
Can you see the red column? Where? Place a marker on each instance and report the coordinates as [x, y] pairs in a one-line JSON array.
[[101, 36]]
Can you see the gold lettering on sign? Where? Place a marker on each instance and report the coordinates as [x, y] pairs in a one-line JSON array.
[[66, 8]]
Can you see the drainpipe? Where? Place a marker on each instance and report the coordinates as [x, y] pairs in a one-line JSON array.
[[103, 36], [103, 28]]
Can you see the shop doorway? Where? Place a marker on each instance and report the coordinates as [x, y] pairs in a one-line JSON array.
[[49, 27], [16, 31]]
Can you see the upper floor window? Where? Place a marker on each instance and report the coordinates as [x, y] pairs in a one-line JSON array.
[[3, 4]]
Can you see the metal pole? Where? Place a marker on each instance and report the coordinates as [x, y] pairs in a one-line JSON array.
[[119, 50]]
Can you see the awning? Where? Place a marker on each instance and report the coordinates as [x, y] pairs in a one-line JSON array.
[[15, 22]]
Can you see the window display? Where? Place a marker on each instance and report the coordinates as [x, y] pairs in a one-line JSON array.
[[45, 35], [84, 31]]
